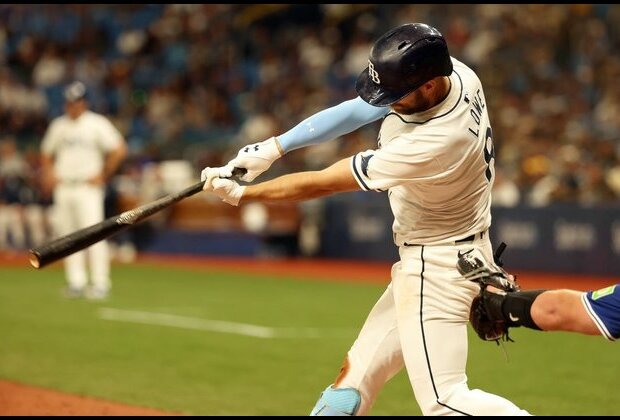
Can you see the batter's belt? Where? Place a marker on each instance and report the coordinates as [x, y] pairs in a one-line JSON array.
[[470, 238]]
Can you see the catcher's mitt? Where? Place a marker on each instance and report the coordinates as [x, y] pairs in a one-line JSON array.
[[485, 314], [488, 327]]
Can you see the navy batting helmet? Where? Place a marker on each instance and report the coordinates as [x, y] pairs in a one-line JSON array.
[[401, 61]]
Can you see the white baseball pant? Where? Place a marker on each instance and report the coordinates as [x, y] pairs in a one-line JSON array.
[[420, 322], [77, 206]]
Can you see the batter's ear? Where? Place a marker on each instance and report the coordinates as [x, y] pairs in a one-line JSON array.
[[430, 85]]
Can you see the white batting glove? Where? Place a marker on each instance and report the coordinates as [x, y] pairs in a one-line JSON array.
[[256, 158], [209, 174], [227, 189]]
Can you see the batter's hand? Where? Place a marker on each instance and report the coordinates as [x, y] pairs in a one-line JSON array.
[[256, 158], [209, 174], [217, 181]]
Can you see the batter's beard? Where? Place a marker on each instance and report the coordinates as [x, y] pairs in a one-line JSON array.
[[410, 110]]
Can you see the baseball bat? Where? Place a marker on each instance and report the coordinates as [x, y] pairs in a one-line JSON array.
[[83, 238]]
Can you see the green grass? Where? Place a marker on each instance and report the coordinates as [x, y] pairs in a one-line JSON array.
[[53, 342]]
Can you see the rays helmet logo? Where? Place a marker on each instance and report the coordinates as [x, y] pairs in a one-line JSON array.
[[373, 73]]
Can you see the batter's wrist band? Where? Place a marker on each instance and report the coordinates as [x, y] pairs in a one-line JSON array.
[[279, 146]]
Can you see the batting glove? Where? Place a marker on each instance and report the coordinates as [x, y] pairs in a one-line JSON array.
[[225, 188], [256, 158], [209, 174]]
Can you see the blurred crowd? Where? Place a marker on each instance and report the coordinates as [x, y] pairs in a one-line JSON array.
[[194, 82]]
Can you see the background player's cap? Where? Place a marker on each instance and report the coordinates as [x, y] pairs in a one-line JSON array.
[[75, 91], [401, 61]]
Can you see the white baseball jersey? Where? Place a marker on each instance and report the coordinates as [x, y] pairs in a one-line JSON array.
[[79, 146], [437, 166]]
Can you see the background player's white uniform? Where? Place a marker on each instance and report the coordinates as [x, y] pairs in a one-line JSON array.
[[437, 167], [78, 148]]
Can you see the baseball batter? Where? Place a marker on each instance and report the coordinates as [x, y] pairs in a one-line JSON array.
[[81, 150], [435, 160]]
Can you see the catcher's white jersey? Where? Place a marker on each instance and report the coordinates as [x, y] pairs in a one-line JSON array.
[[79, 146], [437, 166]]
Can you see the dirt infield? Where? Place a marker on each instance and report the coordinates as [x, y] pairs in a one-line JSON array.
[[23, 400], [19, 399]]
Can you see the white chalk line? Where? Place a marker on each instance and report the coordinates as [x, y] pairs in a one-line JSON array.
[[190, 323]]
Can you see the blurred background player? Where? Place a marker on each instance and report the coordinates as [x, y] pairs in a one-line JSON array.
[[12, 173], [81, 150]]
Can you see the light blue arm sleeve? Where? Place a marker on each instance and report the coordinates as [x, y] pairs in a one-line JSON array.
[[331, 123]]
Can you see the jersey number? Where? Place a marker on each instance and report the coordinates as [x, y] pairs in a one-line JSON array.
[[489, 154]]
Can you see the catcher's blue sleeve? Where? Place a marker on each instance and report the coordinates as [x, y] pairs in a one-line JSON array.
[[331, 123], [603, 306]]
